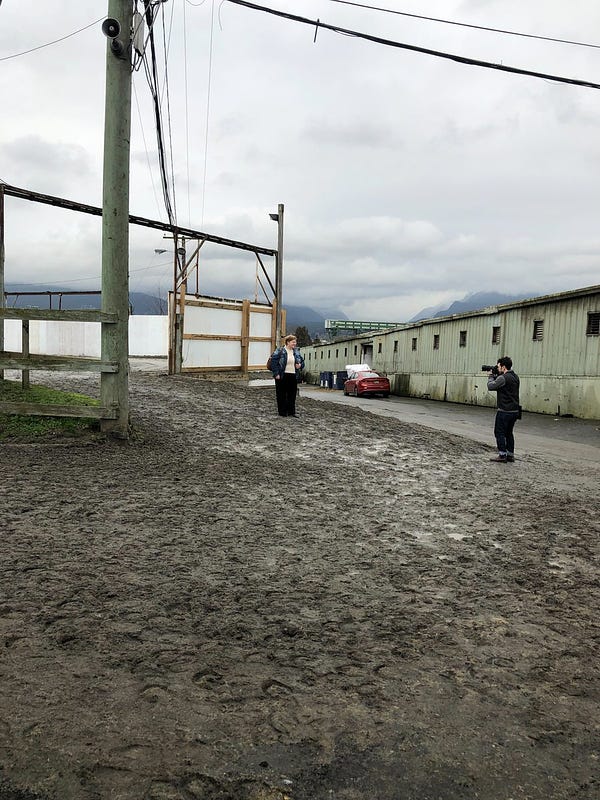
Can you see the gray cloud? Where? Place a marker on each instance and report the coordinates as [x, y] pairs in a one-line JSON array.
[[407, 180]]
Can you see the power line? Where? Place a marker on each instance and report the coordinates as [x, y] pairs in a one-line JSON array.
[[187, 115], [208, 93], [466, 25], [145, 147], [150, 68], [413, 48], [56, 41]]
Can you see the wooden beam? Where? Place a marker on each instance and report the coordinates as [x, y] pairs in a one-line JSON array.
[[232, 368], [54, 410], [9, 360], [2, 298], [189, 233], [212, 337], [80, 315], [245, 335]]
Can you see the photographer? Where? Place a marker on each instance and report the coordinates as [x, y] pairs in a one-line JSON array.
[[505, 383]]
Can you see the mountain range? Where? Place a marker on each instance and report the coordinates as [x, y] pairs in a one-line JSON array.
[[297, 316], [39, 296], [470, 302]]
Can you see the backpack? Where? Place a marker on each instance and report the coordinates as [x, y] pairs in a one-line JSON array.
[[270, 358]]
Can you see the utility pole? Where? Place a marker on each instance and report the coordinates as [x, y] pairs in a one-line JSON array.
[[278, 271], [114, 386], [2, 301]]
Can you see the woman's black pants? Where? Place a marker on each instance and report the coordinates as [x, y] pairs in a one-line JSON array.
[[286, 389]]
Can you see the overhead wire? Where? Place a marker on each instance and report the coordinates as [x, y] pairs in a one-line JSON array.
[[151, 71], [137, 103], [465, 24], [317, 24], [168, 101], [55, 41], [187, 115], [208, 98]]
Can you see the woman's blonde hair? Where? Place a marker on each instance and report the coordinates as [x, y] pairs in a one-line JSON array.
[[289, 337]]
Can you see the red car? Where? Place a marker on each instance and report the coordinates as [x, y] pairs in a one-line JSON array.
[[362, 384]]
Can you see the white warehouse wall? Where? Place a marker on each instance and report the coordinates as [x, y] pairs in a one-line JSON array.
[[148, 336]]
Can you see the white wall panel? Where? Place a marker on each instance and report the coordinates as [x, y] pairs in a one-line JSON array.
[[214, 321], [207, 353], [260, 324]]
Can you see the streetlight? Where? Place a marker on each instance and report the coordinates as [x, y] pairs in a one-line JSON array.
[[159, 252], [278, 218]]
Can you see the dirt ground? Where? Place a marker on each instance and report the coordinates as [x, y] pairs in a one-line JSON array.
[[236, 606]]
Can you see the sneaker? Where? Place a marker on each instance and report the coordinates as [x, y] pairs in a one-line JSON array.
[[510, 458], [500, 459]]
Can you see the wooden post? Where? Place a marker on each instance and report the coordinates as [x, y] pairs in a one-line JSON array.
[[114, 387], [275, 314], [2, 299], [245, 345], [283, 323], [178, 356], [279, 273], [25, 352]]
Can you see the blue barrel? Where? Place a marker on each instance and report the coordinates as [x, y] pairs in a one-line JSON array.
[[329, 380], [340, 379]]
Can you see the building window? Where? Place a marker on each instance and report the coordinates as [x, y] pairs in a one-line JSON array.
[[496, 334], [379, 347], [593, 323], [329, 354], [436, 341], [345, 352], [321, 354], [309, 355], [395, 345], [414, 344], [355, 349], [337, 352], [538, 330], [462, 339]]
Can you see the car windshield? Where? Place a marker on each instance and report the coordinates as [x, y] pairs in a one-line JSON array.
[[368, 375]]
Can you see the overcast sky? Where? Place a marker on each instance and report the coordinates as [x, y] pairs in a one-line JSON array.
[[408, 180]]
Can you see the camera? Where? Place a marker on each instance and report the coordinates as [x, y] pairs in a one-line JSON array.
[[488, 368]]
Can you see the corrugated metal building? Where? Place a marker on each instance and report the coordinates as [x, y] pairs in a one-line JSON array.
[[554, 342]]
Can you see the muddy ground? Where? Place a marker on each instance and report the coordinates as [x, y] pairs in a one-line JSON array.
[[235, 606]]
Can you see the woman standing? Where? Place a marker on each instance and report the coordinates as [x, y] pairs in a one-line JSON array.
[[286, 364]]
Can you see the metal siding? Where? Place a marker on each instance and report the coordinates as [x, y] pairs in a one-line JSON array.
[[555, 372]]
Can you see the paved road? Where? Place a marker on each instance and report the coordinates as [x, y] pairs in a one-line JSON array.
[[566, 438]]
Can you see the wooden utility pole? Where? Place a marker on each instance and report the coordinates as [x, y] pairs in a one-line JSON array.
[[1, 271], [279, 274], [114, 387]]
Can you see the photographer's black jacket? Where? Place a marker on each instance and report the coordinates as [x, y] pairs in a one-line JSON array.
[[507, 388]]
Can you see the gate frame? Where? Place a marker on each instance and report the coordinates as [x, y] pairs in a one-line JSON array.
[[25, 362]]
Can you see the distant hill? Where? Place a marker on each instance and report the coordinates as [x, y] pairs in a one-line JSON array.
[[312, 319], [471, 302], [142, 303]]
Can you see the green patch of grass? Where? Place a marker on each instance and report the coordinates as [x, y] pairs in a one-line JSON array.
[[25, 426]]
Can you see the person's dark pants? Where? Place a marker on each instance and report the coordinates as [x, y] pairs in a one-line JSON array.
[[280, 395], [503, 431], [286, 389]]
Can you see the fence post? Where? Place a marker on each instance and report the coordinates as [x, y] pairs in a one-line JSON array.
[[25, 352]]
